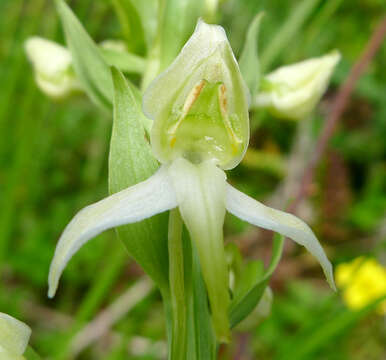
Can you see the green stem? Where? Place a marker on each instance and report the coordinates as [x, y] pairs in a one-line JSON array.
[[287, 32], [177, 286]]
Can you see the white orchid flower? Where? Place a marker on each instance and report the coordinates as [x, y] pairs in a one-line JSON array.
[[53, 69], [14, 337], [293, 91], [200, 110]]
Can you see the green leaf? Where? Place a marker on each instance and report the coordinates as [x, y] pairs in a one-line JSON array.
[[124, 61], [201, 336], [249, 60], [252, 271], [287, 32], [30, 354], [147, 11], [307, 342], [250, 293], [131, 24], [131, 162], [89, 65]]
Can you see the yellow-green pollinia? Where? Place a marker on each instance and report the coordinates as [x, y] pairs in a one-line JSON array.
[[199, 108]]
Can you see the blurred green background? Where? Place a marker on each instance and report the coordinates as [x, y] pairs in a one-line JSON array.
[[53, 162]]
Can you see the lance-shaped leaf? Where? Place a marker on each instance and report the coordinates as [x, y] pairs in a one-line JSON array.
[[249, 60], [205, 65], [253, 284], [147, 11], [131, 161], [89, 65], [148, 198], [255, 213], [14, 337], [200, 191]]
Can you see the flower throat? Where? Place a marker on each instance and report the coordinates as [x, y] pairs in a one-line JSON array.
[[201, 129]]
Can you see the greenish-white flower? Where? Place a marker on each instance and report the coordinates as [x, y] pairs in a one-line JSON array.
[[14, 337], [293, 91], [201, 128], [53, 69]]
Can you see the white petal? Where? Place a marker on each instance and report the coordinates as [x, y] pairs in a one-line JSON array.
[[14, 335], [200, 191], [148, 198], [250, 210]]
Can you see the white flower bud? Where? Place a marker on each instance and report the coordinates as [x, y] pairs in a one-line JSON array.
[[53, 67], [293, 91]]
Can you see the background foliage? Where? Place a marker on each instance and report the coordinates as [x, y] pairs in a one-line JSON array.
[[53, 161]]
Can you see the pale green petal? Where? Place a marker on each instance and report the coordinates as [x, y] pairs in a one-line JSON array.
[[206, 56], [150, 197], [200, 191], [252, 211], [14, 335]]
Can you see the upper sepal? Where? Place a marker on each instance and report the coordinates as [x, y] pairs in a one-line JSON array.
[[205, 71]]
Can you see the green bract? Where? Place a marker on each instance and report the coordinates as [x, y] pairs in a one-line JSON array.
[[200, 103]]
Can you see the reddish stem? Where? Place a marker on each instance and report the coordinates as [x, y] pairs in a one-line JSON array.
[[338, 106]]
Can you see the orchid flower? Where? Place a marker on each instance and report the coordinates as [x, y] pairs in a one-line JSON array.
[[293, 91], [199, 105], [14, 337]]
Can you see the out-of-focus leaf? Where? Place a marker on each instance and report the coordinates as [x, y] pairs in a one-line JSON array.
[[269, 162], [249, 60], [147, 11], [130, 162], [131, 24], [306, 343], [243, 304], [124, 61], [31, 354], [177, 19], [89, 65], [288, 31]]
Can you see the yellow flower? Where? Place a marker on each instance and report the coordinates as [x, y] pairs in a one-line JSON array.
[[362, 281]]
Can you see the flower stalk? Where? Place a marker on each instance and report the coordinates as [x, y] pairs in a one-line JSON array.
[[177, 286]]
